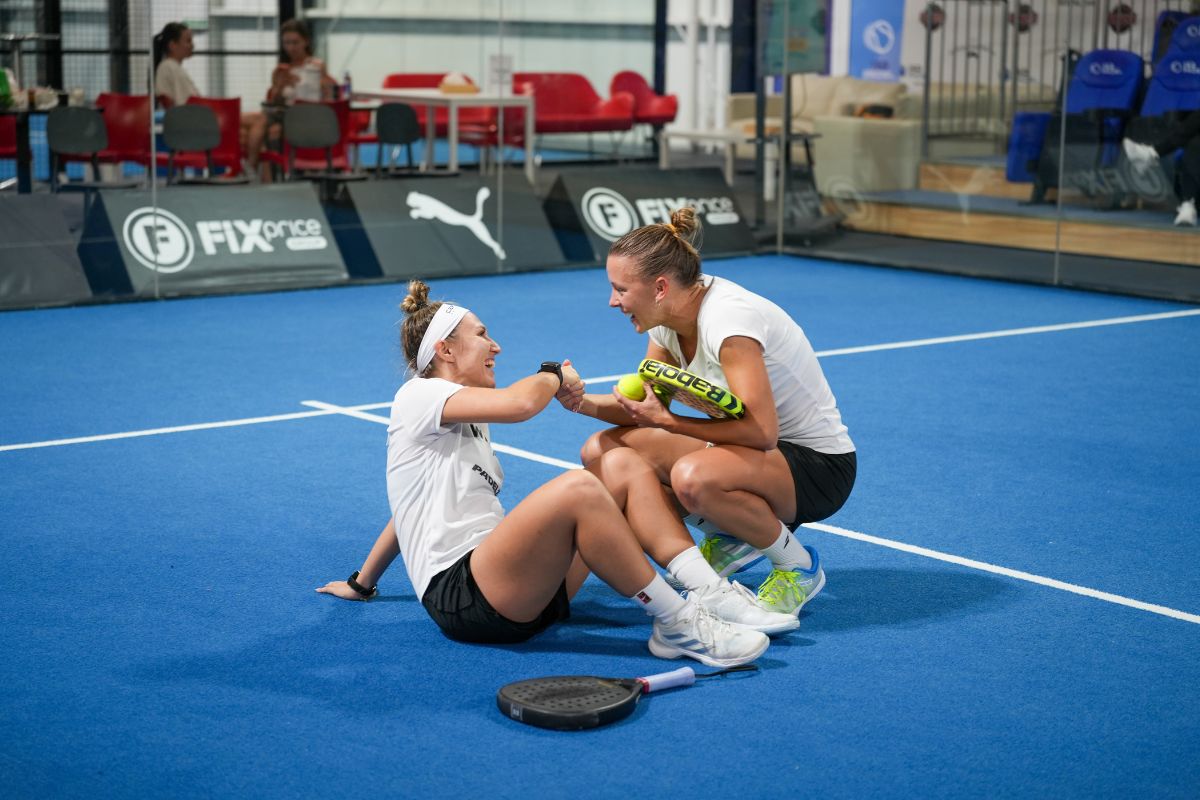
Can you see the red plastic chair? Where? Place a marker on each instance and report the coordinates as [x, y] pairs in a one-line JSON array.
[[648, 108], [8, 136], [228, 154], [484, 130], [567, 103], [127, 122], [127, 119]]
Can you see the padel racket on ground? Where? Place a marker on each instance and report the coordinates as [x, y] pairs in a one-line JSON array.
[[576, 702], [672, 383]]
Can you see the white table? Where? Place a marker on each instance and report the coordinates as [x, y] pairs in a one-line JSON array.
[[728, 140], [452, 101]]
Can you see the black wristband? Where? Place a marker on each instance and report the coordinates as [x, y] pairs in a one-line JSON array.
[[366, 593], [553, 367]]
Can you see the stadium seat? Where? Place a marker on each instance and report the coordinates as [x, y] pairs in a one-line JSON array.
[[1186, 37], [1172, 94], [1101, 97], [1165, 27]]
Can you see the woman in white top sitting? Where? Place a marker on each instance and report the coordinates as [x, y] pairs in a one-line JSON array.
[[298, 75], [174, 86], [486, 576], [171, 82]]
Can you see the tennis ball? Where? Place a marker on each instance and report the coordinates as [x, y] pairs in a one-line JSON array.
[[632, 387]]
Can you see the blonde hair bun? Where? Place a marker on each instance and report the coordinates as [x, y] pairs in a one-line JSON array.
[[418, 297], [683, 220]]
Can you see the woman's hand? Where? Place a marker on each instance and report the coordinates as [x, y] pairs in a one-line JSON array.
[[570, 394], [340, 589], [648, 412]]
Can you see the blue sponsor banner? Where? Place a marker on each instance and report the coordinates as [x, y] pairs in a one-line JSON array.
[[875, 30]]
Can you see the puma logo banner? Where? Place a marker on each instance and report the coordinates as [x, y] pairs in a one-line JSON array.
[[435, 227], [424, 206]]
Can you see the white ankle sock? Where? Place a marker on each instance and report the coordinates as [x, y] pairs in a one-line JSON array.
[[659, 599], [787, 553], [691, 570]]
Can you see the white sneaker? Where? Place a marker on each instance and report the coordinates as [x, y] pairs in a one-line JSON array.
[[1141, 156], [697, 633], [1186, 213], [735, 603]]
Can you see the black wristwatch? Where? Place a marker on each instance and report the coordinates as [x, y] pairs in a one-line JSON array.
[[553, 367], [361, 590]]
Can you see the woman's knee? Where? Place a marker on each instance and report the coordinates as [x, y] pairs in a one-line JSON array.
[[627, 463], [597, 445], [581, 488], [692, 479]]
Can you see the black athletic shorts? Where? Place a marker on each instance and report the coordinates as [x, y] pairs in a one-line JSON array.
[[455, 603], [823, 481]]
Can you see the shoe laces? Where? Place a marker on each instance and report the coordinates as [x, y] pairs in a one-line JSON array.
[[710, 627], [781, 585], [710, 547]]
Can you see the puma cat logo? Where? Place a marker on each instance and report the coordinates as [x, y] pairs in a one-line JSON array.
[[422, 206]]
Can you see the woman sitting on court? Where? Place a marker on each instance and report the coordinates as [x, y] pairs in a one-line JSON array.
[[747, 483], [174, 86], [484, 576]]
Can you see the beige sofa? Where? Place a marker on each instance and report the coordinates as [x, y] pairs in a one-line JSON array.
[[852, 153], [856, 154]]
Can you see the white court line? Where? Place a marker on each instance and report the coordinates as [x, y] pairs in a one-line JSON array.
[[863, 537], [499, 448], [971, 337], [1011, 573], [611, 378], [200, 426]]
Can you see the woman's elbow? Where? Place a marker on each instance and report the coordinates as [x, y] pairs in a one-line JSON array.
[[526, 408]]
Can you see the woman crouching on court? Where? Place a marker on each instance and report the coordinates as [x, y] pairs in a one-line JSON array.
[[747, 483], [484, 576]]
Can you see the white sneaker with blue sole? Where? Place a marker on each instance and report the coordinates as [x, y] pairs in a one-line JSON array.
[[698, 633]]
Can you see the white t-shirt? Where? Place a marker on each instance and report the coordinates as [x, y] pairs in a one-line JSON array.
[[442, 480], [308, 83], [808, 412], [172, 80]]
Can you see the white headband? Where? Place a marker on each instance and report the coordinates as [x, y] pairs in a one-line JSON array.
[[442, 325]]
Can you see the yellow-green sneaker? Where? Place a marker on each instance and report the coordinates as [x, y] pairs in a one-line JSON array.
[[728, 555], [786, 591]]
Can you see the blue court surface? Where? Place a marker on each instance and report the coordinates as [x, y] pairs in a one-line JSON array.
[[1011, 609]]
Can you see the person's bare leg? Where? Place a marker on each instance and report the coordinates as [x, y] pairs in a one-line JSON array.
[[646, 503], [254, 131], [658, 447], [521, 564], [744, 492]]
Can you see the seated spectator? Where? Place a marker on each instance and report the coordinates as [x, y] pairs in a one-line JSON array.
[[174, 86], [172, 45], [298, 76], [1185, 134]]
